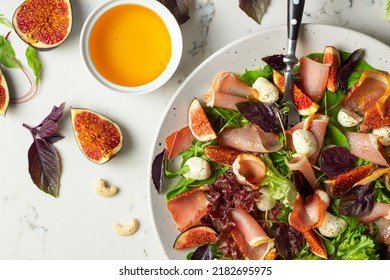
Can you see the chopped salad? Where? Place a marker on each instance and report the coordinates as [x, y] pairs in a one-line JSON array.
[[250, 187]]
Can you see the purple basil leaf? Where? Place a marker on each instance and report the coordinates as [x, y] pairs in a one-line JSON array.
[[302, 185], [357, 201], [158, 166], [203, 253], [275, 61], [336, 160], [54, 138], [266, 115], [55, 114], [254, 8], [347, 68], [288, 241], [47, 129], [44, 166], [179, 8]]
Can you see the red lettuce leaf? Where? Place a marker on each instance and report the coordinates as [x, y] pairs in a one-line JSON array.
[[44, 166], [179, 8], [288, 241], [254, 8], [158, 166], [336, 160], [304, 188], [357, 201], [266, 115]]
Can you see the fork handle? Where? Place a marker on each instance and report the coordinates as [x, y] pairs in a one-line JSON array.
[[294, 18]]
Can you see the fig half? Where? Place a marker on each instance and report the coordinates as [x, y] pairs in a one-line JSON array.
[[43, 24], [98, 137], [4, 95]]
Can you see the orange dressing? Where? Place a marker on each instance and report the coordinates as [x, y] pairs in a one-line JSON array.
[[130, 45]]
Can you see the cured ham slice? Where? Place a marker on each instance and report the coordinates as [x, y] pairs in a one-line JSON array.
[[188, 208], [253, 233], [367, 91], [249, 170], [371, 96], [300, 162], [178, 142], [257, 253], [223, 100], [367, 146], [310, 213], [383, 230], [250, 138], [313, 77], [229, 83], [317, 125], [380, 210]]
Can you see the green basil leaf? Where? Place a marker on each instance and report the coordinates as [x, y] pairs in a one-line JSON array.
[[34, 62], [7, 54], [337, 137]]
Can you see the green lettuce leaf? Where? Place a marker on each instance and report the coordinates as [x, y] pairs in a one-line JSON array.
[[387, 15]]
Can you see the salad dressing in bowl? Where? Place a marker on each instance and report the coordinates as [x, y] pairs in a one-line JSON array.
[[130, 45]]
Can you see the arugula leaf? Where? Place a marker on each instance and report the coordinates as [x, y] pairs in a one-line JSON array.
[[7, 54], [230, 118], [34, 62], [4, 21]]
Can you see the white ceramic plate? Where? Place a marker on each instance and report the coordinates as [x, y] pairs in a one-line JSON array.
[[246, 53]]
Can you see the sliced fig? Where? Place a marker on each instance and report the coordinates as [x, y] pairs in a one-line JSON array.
[[305, 105], [198, 122], [4, 95], [339, 185], [194, 237], [43, 24], [98, 137], [221, 154]]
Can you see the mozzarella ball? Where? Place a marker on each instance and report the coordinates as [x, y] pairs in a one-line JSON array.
[[304, 142], [332, 225], [347, 118], [268, 93], [384, 134], [199, 169]]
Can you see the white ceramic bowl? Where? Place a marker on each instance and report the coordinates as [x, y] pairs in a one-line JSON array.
[[176, 43]]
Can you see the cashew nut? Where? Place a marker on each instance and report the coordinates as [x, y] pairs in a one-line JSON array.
[[127, 230], [103, 189]]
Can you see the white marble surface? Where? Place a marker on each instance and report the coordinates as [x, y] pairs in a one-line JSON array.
[[79, 224]]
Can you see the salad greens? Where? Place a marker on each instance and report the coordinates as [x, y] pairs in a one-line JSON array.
[[358, 240]]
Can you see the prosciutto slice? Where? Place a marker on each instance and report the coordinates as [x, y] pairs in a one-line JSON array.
[[380, 210], [250, 138], [178, 142], [371, 96], [300, 162], [229, 83], [314, 77], [317, 125], [257, 253], [253, 233], [188, 208], [367, 146], [223, 100], [310, 213]]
